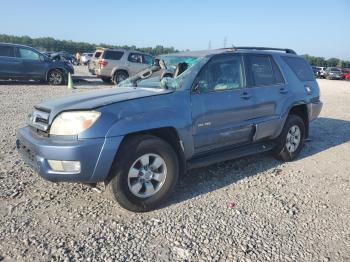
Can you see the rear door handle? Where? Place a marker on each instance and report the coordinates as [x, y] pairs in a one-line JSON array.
[[283, 90], [246, 95]]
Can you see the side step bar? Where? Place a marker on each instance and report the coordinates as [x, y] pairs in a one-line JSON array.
[[216, 157]]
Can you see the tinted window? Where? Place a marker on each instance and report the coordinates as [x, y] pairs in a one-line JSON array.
[[300, 67], [113, 55], [7, 51], [147, 59], [28, 54], [223, 72], [135, 58], [98, 54], [277, 72], [262, 70]]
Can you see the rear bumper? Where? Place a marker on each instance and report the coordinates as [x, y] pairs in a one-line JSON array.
[[314, 110], [95, 155]]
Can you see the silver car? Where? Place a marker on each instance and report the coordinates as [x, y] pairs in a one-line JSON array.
[[116, 65], [85, 58]]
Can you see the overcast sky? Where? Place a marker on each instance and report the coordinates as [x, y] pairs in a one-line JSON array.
[[315, 27]]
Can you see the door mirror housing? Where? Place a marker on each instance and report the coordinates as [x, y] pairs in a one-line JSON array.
[[42, 58], [199, 86]]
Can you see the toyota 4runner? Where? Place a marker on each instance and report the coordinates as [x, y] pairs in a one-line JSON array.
[[138, 137]]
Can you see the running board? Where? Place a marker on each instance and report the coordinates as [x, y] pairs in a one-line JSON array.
[[216, 157]]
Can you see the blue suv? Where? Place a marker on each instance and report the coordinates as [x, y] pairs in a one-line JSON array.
[[19, 62], [212, 106]]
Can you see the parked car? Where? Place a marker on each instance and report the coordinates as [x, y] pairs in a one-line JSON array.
[[116, 65], [139, 137], [85, 58], [321, 71], [346, 73], [316, 70], [332, 73], [19, 62]]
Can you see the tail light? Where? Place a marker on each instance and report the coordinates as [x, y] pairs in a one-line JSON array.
[[102, 63]]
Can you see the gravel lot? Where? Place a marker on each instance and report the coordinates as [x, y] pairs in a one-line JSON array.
[[297, 211]]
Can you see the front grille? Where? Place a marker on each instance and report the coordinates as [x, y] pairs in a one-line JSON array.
[[39, 120]]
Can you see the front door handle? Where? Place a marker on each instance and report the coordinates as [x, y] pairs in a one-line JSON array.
[[246, 95], [283, 90]]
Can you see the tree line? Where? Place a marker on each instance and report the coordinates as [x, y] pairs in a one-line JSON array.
[[50, 44], [331, 62]]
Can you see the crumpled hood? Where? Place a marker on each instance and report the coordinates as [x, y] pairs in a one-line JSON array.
[[91, 100]]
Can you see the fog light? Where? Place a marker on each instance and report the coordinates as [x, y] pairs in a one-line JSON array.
[[64, 166]]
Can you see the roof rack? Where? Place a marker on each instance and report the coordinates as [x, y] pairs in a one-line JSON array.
[[288, 51]]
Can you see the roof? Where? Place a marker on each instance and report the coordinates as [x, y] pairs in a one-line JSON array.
[[120, 50], [17, 45]]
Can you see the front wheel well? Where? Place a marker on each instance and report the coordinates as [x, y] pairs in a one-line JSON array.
[[301, 111], [168, 134]]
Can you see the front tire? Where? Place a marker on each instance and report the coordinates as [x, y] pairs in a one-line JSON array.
[[56, 77], [291, 139], [144, 173]]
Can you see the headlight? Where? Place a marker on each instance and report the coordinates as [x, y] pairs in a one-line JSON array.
[[73, 123]]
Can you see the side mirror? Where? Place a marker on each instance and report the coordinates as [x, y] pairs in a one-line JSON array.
[[195, 88], [43, 58], [199, 86]]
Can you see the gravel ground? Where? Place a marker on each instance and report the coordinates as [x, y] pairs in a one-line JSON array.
[[298, 211]]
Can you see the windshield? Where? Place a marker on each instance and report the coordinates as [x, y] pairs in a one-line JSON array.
[[173, 61], [169, 73]]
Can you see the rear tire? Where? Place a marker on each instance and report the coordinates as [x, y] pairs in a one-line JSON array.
[[119, 76], [291, 139], [144, 173]]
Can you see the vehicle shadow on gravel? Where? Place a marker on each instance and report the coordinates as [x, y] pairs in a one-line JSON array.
[[325, 133], [18, 82]]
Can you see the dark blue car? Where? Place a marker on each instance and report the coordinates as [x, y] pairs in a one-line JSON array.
[[138, 137], [19, 62]]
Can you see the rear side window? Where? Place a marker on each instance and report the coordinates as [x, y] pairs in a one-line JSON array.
[[135, 58], [97, 54], [8, 51], [113, 55], [300, 67], [264, 71]]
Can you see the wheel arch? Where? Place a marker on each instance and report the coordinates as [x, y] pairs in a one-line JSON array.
[[301, 110], [119, 69], [168, 134]]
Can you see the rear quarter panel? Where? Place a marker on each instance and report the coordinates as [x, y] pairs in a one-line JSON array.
[[297, 92]]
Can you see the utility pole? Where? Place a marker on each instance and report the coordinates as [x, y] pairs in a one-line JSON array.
[[225, 41], [209, 44]]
